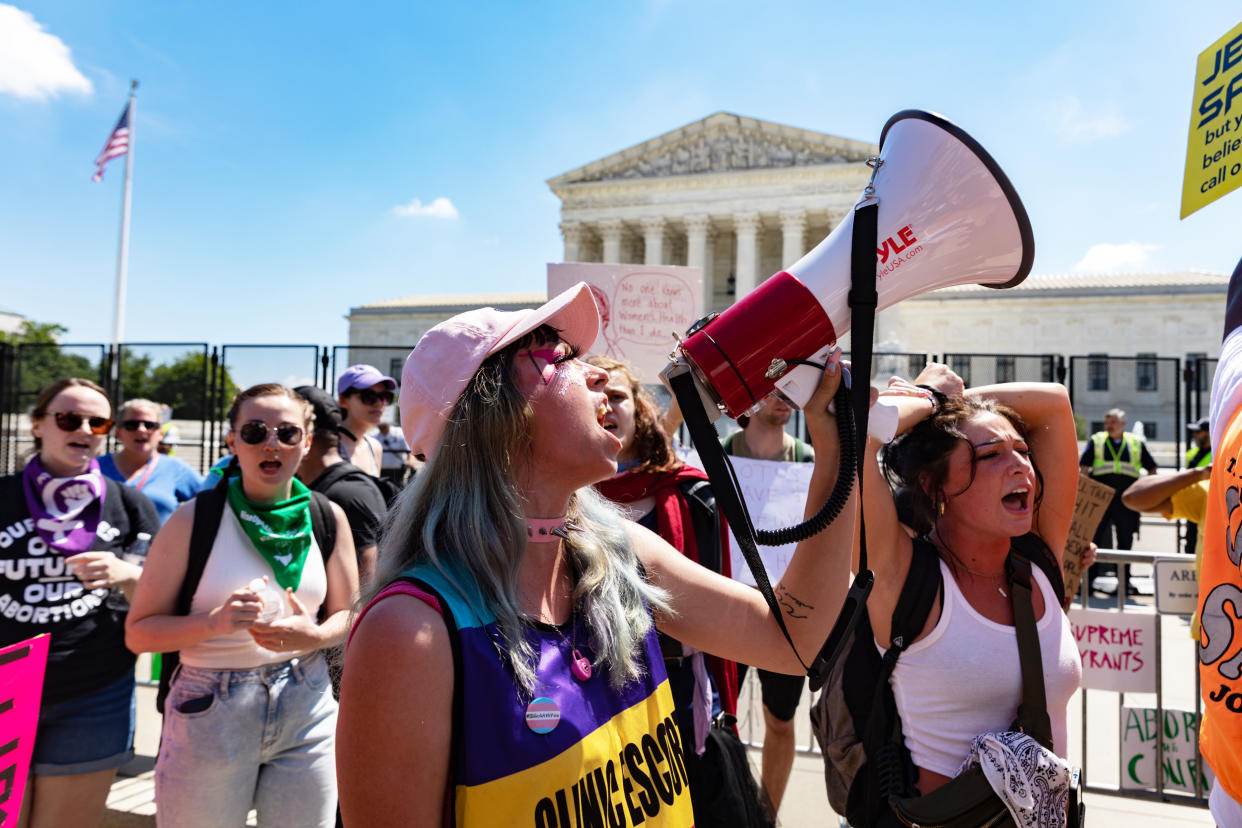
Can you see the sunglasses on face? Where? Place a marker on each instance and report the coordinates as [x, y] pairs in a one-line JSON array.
[[70, 421], [132, 425], [369, 396], [255, 433]]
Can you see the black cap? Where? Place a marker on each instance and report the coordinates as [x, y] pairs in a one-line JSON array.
[[1201, 425], [328, 417]]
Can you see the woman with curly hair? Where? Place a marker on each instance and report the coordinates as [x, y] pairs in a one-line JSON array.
[[986, 471]]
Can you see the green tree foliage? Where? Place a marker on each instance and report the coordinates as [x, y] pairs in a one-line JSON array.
[[180, 384], [35, 360]]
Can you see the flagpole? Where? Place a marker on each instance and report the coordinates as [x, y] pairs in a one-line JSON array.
[[122, 259]]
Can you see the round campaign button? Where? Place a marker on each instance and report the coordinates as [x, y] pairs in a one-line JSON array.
[[542, 715]]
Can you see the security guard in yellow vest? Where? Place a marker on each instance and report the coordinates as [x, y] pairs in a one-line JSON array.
[[1115, 458], [1198, 456]]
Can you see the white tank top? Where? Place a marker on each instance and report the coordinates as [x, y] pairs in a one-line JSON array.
[[233, 564], [965, 678]]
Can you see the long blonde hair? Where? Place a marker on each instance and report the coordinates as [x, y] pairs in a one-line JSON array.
[[463, 512]]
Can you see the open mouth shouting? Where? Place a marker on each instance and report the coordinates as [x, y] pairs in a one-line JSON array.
[[1019, 500]]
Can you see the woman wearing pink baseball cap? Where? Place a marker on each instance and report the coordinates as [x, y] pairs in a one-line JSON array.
[[505, 669]]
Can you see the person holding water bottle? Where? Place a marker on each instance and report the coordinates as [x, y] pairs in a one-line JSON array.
[[250, 719], [65, 531]]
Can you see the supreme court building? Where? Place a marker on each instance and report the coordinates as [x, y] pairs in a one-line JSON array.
[[743, 198]]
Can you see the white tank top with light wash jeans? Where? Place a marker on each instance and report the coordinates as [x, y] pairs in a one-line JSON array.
[[233, 564]]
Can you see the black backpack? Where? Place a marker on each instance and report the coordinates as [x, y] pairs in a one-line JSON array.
[[209, 506], [855, 718]]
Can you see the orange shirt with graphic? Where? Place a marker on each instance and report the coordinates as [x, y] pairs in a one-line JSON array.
[[1220, 611]]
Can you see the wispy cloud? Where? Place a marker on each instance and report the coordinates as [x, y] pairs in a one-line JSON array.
[[34, 64], [440, 208], [1076, 124], [1115, 258]]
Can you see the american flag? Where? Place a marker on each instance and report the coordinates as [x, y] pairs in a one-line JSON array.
[[118, 145]]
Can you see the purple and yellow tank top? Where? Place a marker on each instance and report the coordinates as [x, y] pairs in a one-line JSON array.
[[579, 753]]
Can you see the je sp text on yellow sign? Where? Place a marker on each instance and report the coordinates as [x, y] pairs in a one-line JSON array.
[[1214, 150]]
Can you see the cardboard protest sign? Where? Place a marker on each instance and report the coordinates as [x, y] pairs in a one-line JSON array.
[[1138, 750], [1093, 499], [21, 689], [775, 494], [1118, 649], [640, 308], [1214, 148]]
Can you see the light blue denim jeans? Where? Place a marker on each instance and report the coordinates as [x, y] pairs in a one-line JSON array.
[[236, 739]]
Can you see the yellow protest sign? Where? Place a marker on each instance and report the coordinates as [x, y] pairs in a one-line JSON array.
[[1214, 150]]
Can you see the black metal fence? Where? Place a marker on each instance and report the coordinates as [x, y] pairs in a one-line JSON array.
[[198, 380]]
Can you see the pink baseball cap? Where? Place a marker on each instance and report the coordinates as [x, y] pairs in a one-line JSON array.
[[446, 358]]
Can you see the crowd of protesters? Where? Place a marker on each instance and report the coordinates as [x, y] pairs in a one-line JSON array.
[[554, 581]]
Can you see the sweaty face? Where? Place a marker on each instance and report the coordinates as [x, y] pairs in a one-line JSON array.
[[1000, 500], [569, 442], [620, 417]]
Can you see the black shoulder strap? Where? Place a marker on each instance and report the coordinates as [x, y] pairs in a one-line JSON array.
[[1033, 548], [208, 509], [1033, 711], [323, 524], [706, 522], [918, 594]]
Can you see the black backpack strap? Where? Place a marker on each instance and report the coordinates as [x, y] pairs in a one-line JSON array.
[[883, 739], [323, 524], [1033, 548], [1033, 711], [208, 510]]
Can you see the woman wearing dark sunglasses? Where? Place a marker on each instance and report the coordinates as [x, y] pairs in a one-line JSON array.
[[363, 393], [64, 529], [165, 479], [250, 717]]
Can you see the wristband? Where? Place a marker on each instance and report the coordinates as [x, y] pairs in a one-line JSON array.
[[938, 398]]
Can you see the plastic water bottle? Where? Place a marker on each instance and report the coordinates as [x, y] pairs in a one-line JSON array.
[[137, 551], [273, 599]]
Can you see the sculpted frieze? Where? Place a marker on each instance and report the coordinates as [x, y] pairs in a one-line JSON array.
[[724, 152]]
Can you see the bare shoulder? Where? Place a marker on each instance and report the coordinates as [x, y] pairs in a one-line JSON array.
[[400, 629]]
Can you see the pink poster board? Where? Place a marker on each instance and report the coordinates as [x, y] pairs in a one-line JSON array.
[[21, 687], [640, 308]]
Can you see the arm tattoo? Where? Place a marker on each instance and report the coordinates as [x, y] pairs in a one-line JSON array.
[[791, 605]]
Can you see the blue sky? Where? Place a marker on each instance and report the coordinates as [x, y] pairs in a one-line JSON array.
[[276, 142]]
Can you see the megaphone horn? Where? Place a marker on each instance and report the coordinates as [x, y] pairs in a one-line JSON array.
[[947, 216]]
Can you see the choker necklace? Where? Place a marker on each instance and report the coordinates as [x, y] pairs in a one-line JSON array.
[[548, 530], [995, 578]]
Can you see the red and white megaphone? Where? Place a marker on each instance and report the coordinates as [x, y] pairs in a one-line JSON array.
[[947, 216]]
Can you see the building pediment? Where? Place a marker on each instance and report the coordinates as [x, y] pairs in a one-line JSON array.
[[722, 142]]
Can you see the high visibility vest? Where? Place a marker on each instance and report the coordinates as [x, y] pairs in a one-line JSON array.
[[1205, 460], [1105, 461]]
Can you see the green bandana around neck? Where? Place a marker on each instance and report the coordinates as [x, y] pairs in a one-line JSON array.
[[280, 532]]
